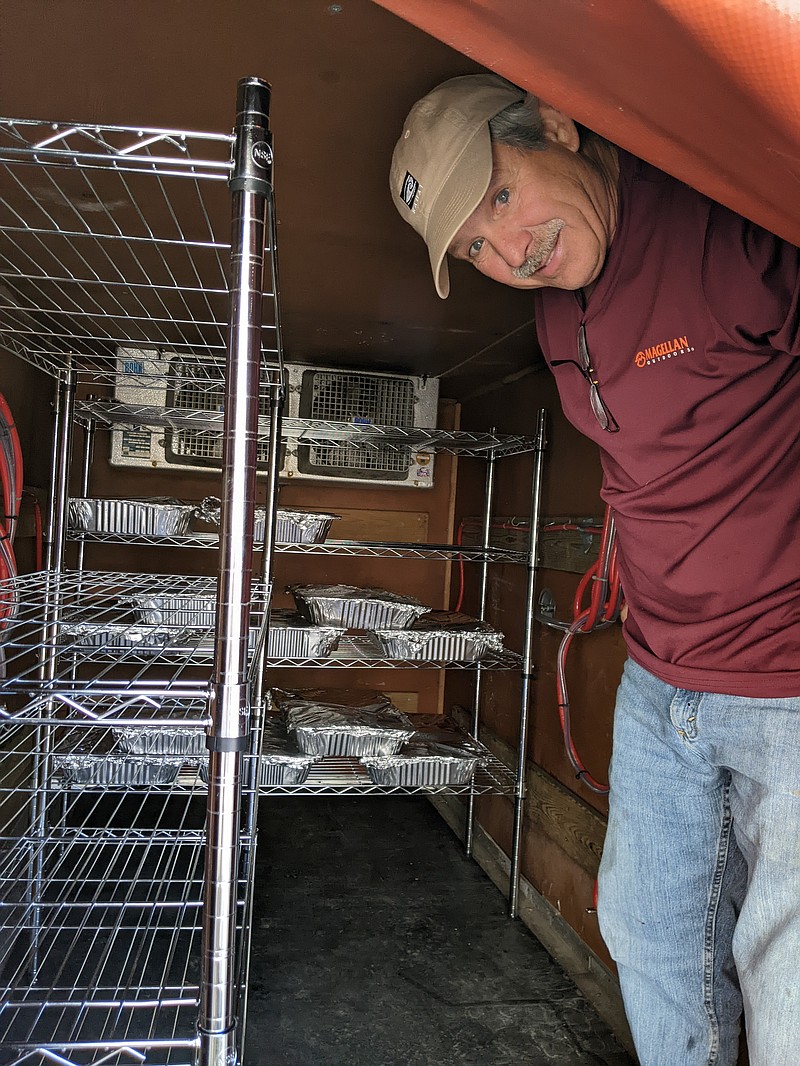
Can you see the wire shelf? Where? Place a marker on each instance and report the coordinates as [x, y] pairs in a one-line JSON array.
[[347, 776], [119, 239], [101, 902], [308, 431], [128, 626], [352, 548], [365, 651]]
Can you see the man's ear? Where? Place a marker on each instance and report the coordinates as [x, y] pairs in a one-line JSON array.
[[558, 127]]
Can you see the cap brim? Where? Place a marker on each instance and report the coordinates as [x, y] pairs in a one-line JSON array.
[[461, 193]]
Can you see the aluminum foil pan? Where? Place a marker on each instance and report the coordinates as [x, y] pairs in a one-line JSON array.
[[281, 763], [292, 637], [113, 635], [81, 769], [356, 608], [302, 527], [439, 644], [285, 768], [278, 769], [423, 764], [187, 610], [284, 700], [156, 517], [291, 527], [325, 731], [161, 740]]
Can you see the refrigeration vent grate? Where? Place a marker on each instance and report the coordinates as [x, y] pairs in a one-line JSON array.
[[195, 387], [359, 399]]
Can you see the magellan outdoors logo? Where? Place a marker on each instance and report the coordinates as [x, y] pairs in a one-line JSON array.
[[669, 349]]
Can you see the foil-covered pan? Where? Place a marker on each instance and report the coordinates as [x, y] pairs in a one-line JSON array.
[[356, 608], [113, 635], [291, 527], [438, 644], [81, 769], [292, 637], [283, 700], [442, 635], [281, 761], [161, 740], [285, 768], [155, 517], [196, 610], [302, 527], [423, 764], [323, 731]]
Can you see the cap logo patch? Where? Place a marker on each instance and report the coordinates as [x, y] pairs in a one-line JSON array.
[[409, 190]]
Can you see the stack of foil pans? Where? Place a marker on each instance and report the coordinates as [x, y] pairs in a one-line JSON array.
[[156, 517], [356, 608], [322, 731], [424, 764]]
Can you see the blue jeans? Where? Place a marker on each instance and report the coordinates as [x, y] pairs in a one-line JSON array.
[[699, 887]]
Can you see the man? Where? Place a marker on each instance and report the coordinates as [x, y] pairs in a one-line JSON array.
[[671, 326]]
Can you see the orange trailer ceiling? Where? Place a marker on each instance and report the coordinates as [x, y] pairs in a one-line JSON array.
[[708, 90]]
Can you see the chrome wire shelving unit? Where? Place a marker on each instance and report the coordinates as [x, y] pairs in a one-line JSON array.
[[127, 857], [125, 906]]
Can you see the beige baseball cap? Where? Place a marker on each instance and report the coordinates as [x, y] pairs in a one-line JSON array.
[[442, 163]]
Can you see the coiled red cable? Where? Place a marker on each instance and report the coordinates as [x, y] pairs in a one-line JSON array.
[[605, 600]]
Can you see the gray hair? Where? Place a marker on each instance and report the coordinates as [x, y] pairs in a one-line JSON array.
[[519, 126]]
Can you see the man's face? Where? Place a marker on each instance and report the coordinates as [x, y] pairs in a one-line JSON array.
[[546, 220]]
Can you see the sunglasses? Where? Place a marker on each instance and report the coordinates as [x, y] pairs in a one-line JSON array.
[[604, 417]]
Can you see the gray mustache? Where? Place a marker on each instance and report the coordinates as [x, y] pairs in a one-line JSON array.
[[538, 258]]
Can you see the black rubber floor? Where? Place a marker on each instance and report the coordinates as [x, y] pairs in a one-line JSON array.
[[377, 942]]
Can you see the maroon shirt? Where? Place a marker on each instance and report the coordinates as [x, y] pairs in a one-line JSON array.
[[693, 330]]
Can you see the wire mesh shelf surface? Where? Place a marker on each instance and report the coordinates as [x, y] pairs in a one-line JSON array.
[[339, 776], [101, 895], [118, 239], [308, 431], [367, 549], [127, 625], [365, 651]]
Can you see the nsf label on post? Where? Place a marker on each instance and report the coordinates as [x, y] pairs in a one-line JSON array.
[[261, 154]]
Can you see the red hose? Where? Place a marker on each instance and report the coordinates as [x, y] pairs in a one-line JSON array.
[[11, 489]]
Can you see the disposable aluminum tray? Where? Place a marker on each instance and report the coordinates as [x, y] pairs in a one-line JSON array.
[[284, 700], [190, 610], [424, 765], [113, 635], [323, 731], [356, 608], [291, 527], [301, 527], [439, 644], [161, 740], [156, 517], [285, 768], [292, 637], [281, 763], [80, 769]]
